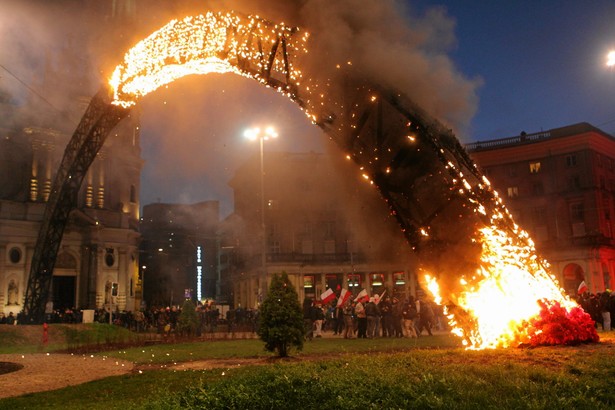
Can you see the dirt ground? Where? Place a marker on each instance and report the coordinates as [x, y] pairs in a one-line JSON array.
[[44, 372]]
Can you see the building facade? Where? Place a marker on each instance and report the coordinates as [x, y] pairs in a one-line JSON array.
[[40, 106], [559, 186], [179, 253], [321, 225], [100, 243]]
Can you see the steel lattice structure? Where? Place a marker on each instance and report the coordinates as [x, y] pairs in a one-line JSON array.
[[415, 162]]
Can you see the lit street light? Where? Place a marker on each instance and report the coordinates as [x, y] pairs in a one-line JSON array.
[[254, 134], [610, 59]]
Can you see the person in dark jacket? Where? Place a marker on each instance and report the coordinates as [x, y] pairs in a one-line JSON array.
[[372, 312]]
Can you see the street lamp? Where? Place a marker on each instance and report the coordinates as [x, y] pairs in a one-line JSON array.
[[610, 59], [261, 135]]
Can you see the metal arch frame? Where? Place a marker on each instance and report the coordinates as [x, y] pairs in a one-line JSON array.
[[420, 181], [99, 119]]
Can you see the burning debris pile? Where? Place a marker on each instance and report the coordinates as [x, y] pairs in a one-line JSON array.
[[512, 301]]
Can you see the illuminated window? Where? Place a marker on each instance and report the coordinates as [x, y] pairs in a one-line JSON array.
[[308, 282], [377, 279], [354, 280], [399, 278], [534, 167], [513, 191]]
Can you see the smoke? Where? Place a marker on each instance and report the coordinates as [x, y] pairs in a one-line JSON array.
[[192, 131]]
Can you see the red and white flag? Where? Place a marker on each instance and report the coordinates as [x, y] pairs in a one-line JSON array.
[[582, 288], [327, 296], [344, 296], [379, 298], [362, 296]]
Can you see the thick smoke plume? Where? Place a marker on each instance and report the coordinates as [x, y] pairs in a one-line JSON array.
[[191, 132]]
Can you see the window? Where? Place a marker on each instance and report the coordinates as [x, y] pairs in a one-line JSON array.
[[511, 170], [534, 167], [329, 228], [333, 281], [399, 278], [307, 247], [513, 191], [329, 246], [571, 160], [354, 280], [539, 215], [15, 255], [308, 282], [574, 182], [538, 189], [109, 257], [133, 194], [577, 212], [377, 279], [275, 247]]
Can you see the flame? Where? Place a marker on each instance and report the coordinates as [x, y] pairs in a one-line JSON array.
[[210, 43], [508, 293]]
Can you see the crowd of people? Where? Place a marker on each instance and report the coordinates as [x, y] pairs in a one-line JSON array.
[[367, 318], [159, 319], [372, 317], [600, 306]]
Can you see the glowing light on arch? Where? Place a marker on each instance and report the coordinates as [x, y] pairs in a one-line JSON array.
[[204, 44]]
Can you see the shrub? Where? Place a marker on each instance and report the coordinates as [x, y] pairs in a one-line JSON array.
[[188, 320], [281, 317]]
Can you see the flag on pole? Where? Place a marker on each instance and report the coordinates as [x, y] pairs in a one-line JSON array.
[[362, 296], [327, 296], [582, 288], [379, 298], [344, 296]]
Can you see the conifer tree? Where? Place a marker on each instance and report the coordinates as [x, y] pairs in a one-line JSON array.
[[281, 317], [188, 320]]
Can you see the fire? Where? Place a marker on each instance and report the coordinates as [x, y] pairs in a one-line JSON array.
[[204, 44], [509, 299]]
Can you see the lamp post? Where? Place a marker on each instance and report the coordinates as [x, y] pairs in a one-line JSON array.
[[262, 135]]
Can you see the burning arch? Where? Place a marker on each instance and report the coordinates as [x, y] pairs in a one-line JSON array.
[[446, 209]]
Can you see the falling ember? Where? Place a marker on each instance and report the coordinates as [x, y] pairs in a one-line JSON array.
[[511, 301]]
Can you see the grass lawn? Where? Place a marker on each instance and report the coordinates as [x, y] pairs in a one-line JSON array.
[[433, 372]]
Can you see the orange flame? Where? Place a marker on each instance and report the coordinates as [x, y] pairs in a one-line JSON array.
[[507, 291]]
